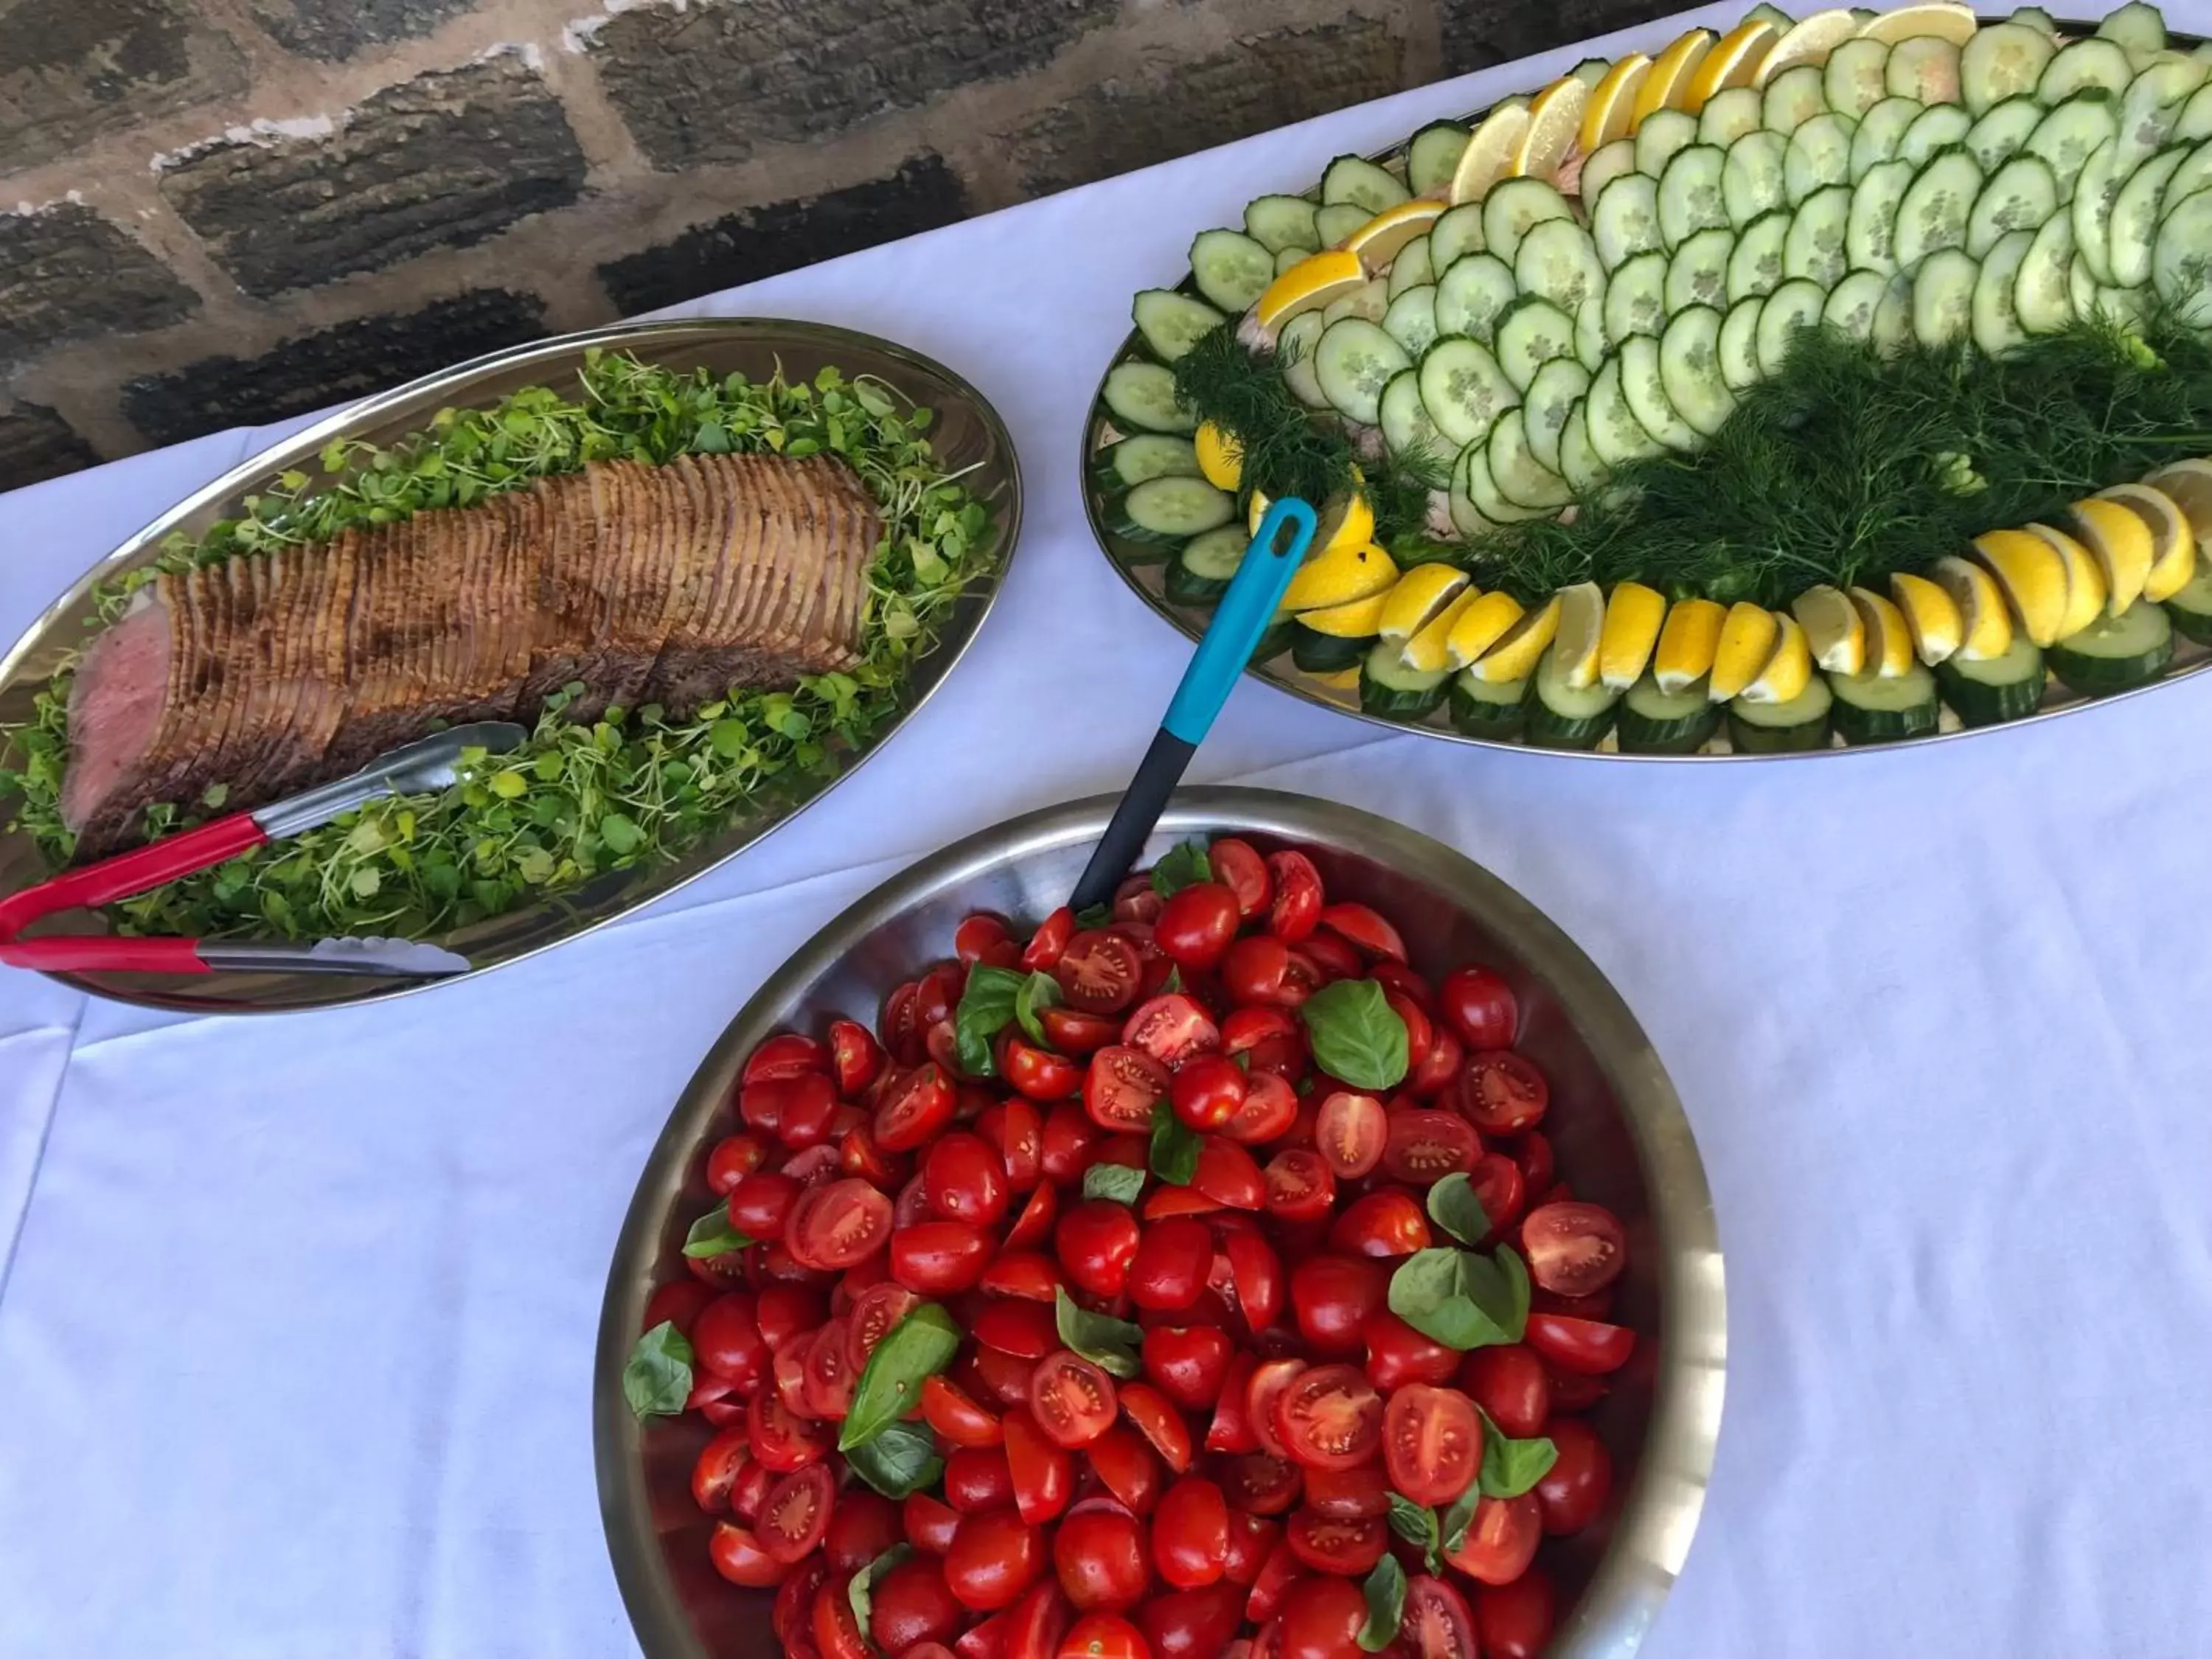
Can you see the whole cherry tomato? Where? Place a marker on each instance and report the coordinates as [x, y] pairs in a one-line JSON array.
[[1096, 1243], [1190, 1533], [1515, 1620], [1170, 1268], [1189, 1363], [995, 1557], [1572, 1493], [1207, 1091], [1387, 1223], [1508, 1382], [1195, 926], [1480, 1007], [1100, 1556]]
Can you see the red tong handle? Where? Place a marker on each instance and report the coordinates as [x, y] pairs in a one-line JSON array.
[[115, 878]]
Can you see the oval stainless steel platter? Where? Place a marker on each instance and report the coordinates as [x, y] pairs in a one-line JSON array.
[[967, 434], [1143, 569]]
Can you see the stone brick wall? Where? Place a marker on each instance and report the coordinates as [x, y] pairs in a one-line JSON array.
[[221, 211]]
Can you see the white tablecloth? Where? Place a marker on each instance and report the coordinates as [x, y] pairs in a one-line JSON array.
[[297, 1315]]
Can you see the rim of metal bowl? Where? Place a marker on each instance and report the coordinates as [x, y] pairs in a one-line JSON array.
[[1295, 682], [418, 400], [1658, 1517]]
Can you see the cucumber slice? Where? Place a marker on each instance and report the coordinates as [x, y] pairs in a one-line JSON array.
[[1636, 299], [1464, 390], [1326, 654], [1532, 334], [1551, 397], [2003, 131], [1143, 395], [1336, 221], [1659, 136], [1353, 363], [1142, 457], [1994, 689], [1739, 344], [1943, 296], [1925, 68], [1625, 220], [1517, 475], [2115, 653], [2034, 17], [1407, 428], [2190, 607], [1819, 155], [1936, 128], [2081, 285], [1279, 224], [1697, 273], [1870, 230], [1562, 716], [1755, 262], [1358, 182], [1792, 98], [1655, 722], [1775, 15], [1288, 258], [1466, 518], [1869, 709], [2003, 60], [2135, 27], [1995, 312], [2196, 123], [1782, 728], [2072, 133], [1893, 318], [1609, 163], [1294, 356], [1644, 386], [1589, 333], [1729, 114], [1852, 79], [1513, 209], [1411, 269], [1558, 261], [1456, 234], [1472, 294], [1411, 321], [1483, 710], [1814, 246], [1617, 437], [2042, 296], [2151, 107], [2133, 231], [1387, 686], [1172, 323], [1578, 462], [1878, 135], [2084, 65], [2181, 259], [2194, 174], [1367, 302], [1201, 573], [1230, 269], [1933, 213], [1474, 478], [1752, 183], [1166, 511], [1689, 366], [2021, 195], [1432, 154], [2096, 193], [1793, 306], [1690, 193], [1590, 70], [1855, 302]]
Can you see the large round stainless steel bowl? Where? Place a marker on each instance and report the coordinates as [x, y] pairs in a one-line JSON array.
[[1615, 1120]]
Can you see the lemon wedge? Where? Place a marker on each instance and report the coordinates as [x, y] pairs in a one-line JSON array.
[[1888, 638], [1746, 641], [1731, 62], [1953, 23], [1416, 598], [1834, 630], [1554, 119], [2169, 536], [1346, 521], [1984, 624], [1489, 152], [1341, 679], [2188, 485], [1380, 240], [1671, 72], [1220, 456], [1611, 103], [2033, 578], [2122, 543], [1809, 40], [1633, 616], [2086, 590], [1308, 285], [1931, 613], [1789, 667], [1582, 634], [1355, 619], [1339, 576], [1514, 655], [1429, 649], [1479, 626], [1688, 644]]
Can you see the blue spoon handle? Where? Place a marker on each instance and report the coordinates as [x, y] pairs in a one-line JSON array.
[[1277, 548]]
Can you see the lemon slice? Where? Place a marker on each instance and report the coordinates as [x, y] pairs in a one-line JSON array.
[[1339, 576], [1312, 283], [1746, 641], [1633, 616], [1953, 23], [2188, 485], [1220, 456], [1731, 62], [1378, 241], [1686, 644], [1479, 626], [1553, 121], [1355, 619], [2170, 537], [1341, 679], [1984, 624], [1671, 73], [2085, 579], [1931, 613], [1417, 597], [1490, 151], [2033, 578], [1611, 103], [1834, 630], [1429, 649], [1581, 635], [1789, 668], [1807, 41], [1514, 657]]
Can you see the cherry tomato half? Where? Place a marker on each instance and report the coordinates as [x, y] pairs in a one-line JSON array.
[[1501, 1093], [1432, 1443], [1244, 872], [737, 1555], [915, 1106], [1099, 972], [837, 1224], [1330, 1417], [1436, 1620], [1573, 1249], [1120, 1089], [1297, 906], [1171, 1028], [1501, 1540], [1424, 1147], [1350, 1133], [795, 1515], [1072, 1400]]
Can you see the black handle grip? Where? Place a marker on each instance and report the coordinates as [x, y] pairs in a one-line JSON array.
[[1140, 807]]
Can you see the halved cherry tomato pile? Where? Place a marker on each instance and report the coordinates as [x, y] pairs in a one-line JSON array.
[[1088, 1265]]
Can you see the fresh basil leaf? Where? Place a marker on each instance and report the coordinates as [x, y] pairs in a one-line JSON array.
[[1454, 1206], [1173, 983], [1181, 866], [1511, 1467], [1174, 1146], [1455, 1522], [1497, 1285], [914, 1350], [1107, 1342], [1417, 1525], [1116, 1181], [1039, 992], [657, 1378], [986, 1007], [1096, 916], [857, 1595], [1429, 1292], [712, 1234], [1355, 1034], [898, 1462], [1386, 1604]]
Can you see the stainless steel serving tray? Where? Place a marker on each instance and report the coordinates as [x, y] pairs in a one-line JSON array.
[[1143, 569], [967, 434], [1614, 1117]]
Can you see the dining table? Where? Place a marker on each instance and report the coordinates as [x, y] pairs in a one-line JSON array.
[[297, 1310]]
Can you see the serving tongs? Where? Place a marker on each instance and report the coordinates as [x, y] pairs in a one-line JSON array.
[[424, 767]]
